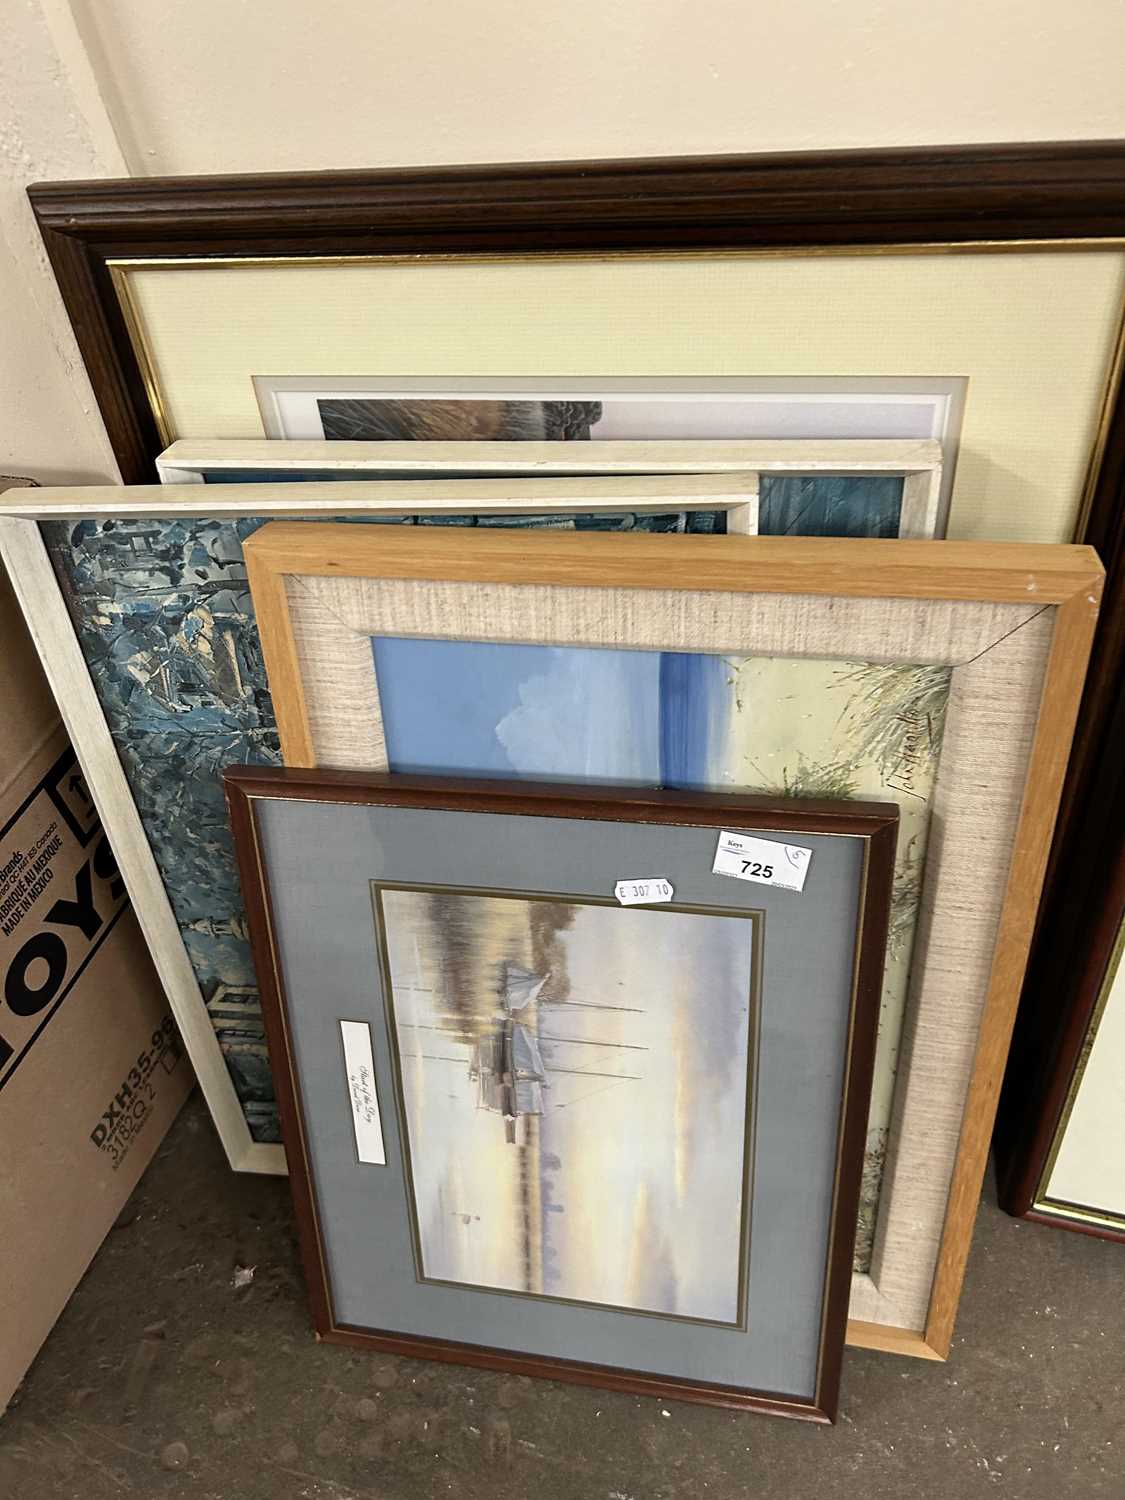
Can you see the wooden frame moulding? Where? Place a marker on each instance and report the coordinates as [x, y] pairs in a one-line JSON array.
[[303, 578], [1062, 194], [874, 823]]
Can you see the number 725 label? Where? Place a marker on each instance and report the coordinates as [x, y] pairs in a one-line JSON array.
[[745, 857]]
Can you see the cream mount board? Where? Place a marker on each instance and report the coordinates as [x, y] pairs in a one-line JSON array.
[[1030, 332]]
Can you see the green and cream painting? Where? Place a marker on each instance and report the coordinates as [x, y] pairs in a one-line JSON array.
[[565, 1068], [792, 727]]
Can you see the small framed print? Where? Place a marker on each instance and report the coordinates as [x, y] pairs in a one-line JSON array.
[[536, 1128]]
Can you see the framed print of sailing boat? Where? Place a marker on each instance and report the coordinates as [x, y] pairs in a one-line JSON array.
[[533, 1127], [575, 1063]]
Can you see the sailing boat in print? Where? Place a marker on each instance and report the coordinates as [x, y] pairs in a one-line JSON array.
[[521, 986], [507, 1062], [563, 1068], [524, 1075]]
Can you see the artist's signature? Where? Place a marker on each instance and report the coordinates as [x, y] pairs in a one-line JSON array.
[[916, 745], [363, 1094]]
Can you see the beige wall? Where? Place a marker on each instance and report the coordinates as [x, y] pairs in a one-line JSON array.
[[231, 85], [52, 124], [103, 87]]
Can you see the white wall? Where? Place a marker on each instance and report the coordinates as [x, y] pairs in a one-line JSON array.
[[104, 87]]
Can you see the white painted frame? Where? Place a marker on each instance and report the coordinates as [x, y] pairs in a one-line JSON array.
[[917, 461], [24, 553], [718, 476]]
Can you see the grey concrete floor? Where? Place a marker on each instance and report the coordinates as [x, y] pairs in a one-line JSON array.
[[164, 1378]]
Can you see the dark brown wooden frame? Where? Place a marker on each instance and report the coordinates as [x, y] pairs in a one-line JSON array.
[[1066, 194], [1052, 1040], [875, 822]]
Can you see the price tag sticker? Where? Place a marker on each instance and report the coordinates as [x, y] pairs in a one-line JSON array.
[[648, 892], [745, 857]]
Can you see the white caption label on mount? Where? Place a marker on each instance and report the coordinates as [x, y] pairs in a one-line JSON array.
[[646, 892], [747, 858], [360, 1066]]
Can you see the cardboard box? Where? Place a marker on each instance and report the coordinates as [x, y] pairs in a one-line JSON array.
[[92, 1071]]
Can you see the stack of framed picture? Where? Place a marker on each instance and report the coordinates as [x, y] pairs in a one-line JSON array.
[[705, 348], [646, 658]]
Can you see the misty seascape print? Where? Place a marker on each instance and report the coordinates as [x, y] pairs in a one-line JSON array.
[[567, 1069]]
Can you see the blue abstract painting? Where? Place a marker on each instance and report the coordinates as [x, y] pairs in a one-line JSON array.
[[162, 610], [163, 613], [829, 505]]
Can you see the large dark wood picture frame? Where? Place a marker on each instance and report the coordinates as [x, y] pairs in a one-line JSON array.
[[874, 824], [1063, 195], [1063, 1006]]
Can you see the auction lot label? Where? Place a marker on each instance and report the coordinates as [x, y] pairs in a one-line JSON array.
[[60, 897]]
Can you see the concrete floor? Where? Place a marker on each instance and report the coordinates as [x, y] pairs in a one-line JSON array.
[[165, 1379]]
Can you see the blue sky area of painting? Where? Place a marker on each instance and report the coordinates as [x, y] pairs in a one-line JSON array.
[[567, 713]]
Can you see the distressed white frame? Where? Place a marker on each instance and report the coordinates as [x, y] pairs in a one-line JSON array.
[[795, 403], [917, 461]]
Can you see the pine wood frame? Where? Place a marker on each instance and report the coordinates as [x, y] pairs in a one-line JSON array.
[[1064, 578], [875, 823]]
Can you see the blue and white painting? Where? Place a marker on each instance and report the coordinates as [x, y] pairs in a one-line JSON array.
[[163, 613], [645, 718]]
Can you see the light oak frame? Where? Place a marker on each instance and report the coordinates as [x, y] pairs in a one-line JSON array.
[[1013, 621]]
